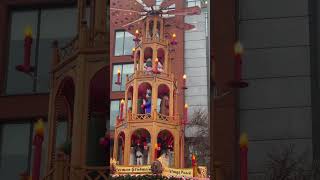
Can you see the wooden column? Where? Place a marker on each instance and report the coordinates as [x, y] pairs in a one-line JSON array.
[[171, 100], [115, 145], [135, 97], [154, 100], [79, 138], [51, 126], [100, 16], [155, 22], [161, 29], [176, 149], [135, 60], [141, 58], [153, 134], [223, 127], [127, 144]]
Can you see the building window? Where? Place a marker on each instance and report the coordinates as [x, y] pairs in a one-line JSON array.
[[192, 3], [45, 24], [16, 149], [114, 112], [125, 69], [123, 43]]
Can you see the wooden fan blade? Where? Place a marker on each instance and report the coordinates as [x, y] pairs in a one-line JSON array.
[[185, 26], [125, 10], [167, 3], [150, 3], [140, 19], [186, 11], [141, 3]]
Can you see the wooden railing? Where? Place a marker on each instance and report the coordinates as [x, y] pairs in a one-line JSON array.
[[145, 74], [64, 171], [156, 117]]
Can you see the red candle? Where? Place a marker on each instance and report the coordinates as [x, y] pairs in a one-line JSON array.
[[243, 157], [121, 109], [25, 67], [133, 51], [174, 42], [184, 81], [37, 142], [118, 77], [186, 113], [194, 165], [238, 61]]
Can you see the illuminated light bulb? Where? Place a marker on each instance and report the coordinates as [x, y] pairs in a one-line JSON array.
[[28, 31], [238, 48]]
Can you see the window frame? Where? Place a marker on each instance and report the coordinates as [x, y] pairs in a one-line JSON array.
[[123, 43], [121, 78], [36, 43]]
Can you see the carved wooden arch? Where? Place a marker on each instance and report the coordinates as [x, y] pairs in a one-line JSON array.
[[97, 67], [165, 129], [131, 131]]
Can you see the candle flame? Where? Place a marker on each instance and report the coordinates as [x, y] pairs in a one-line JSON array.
[[28, 31], [184, 76], [137, 31], [122, 101], [118, 71], [133, 49], [174, 35], [156, 60], [186, 106], [193, 157], [238, 48], [243, 140], [39, 127]]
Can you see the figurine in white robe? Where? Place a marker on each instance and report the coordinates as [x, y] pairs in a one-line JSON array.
[[139, 157]]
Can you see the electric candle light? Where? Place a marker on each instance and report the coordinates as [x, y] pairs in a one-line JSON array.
[[186, 113], [37, 142], [118, 77], [121, 109], [238, 53], [133, 51], [184, 77], [243, 157], [174, 42], [25, 67], [137, 36]]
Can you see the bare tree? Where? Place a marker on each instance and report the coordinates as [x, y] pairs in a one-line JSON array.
[[199, 143], [287, 165]]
